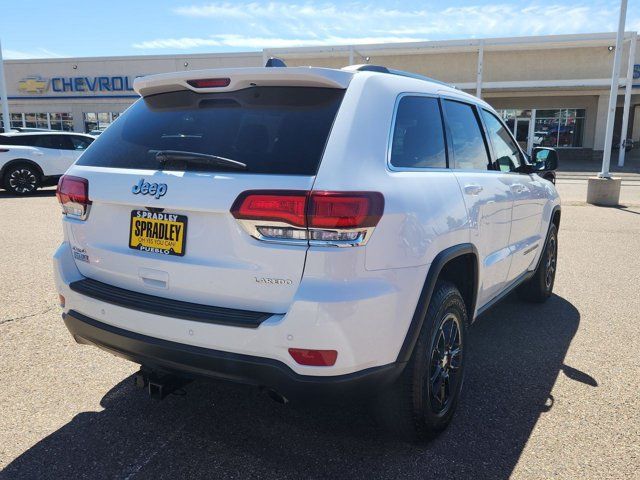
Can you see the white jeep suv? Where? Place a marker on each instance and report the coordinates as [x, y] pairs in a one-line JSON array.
[[37, 159], [307, 230]]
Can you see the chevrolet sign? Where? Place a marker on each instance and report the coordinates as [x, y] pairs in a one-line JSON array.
[[33, 84], [37, 84]]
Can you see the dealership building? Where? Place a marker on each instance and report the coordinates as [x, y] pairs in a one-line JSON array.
[[551, 90]]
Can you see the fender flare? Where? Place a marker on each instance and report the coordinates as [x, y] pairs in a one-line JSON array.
[[435, 268]]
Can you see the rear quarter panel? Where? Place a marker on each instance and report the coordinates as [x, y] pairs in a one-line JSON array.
[[424, 211]]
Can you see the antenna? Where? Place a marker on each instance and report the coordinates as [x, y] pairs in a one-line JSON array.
[[275, 62]]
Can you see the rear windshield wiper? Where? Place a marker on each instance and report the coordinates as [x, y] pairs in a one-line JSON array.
[[164, 156]]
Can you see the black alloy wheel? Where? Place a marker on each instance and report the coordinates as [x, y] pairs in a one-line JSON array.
[[21, 180], [446, 359]]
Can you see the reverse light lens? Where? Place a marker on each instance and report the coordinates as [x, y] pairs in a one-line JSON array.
[[314, 358], [209, 82], [283, 233], [73, 195]]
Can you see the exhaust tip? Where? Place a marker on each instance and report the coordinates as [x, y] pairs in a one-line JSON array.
[[277, 397]]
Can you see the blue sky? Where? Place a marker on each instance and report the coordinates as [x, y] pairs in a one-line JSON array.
[[40, 28]]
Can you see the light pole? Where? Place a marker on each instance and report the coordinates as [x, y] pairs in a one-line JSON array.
[[3, 96], [604, 189], [613, 94]]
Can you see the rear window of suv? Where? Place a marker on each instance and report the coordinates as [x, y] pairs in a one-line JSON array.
[[273, 130]]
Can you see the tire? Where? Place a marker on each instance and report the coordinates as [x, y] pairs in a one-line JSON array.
[[21, 179], [540, 287], [412, 408]]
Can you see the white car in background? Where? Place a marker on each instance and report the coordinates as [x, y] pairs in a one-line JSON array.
[[38, 159]]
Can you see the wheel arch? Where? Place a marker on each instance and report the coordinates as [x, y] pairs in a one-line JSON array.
[[452, 264], [20, 161]]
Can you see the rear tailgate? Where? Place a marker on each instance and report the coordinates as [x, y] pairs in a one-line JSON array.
[[167, 230]]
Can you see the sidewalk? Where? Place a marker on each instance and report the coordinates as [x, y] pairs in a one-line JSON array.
[[631, 164]]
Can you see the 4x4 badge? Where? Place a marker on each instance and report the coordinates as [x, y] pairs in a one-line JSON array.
[[145, 188]]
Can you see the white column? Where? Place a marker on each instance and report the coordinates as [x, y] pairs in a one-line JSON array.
[[479, 72], [627, 98], [532, 131], [613, 93], [3, 96], [601, 122]]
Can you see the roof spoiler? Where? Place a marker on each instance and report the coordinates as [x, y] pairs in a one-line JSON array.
[[229, 79]]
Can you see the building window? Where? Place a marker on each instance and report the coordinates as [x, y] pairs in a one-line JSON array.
[[61, 121], [30, 120], [50, 121], [98, 120], [558, 127], [518, 122], [17, 119]]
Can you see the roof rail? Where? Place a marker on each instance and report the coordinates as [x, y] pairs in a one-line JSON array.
[[402, 73]]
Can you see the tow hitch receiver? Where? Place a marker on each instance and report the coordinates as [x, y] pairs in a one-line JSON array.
[[159, 384]]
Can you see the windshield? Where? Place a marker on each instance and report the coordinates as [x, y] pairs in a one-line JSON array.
[[274, 130]]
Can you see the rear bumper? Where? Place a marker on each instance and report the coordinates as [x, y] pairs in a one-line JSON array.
[[197, 361]]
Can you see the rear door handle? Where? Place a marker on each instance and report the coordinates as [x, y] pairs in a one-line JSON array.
[[472, 189]]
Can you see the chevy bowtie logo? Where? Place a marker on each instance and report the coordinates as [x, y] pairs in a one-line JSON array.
[[33, 84]]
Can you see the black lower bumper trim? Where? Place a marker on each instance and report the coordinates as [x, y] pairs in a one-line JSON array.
[[168, 307], [197, 361]]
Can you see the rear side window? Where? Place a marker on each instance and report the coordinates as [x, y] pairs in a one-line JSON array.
[[80, 143], [273, 130], [469, 149], [21, 140], [418, 135], [58, 142]]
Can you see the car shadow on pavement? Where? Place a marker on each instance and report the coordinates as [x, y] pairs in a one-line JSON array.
[[220, 430], [45, 192]]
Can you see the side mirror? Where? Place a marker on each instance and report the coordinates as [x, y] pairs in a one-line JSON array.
[[544, 158]]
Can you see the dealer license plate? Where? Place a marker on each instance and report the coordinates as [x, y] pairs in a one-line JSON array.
[[162, 232]]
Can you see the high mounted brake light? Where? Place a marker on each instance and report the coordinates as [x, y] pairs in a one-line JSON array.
[[209, 82], [73, 195], [317, 217]]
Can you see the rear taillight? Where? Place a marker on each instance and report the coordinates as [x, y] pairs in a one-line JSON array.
[[210, 82], [73, 195], [318, 217]]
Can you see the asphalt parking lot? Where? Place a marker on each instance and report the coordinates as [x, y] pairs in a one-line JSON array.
[[552, 390]]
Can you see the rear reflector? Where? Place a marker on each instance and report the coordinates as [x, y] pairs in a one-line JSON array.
[[209, 82], [314, 358], [4, 150], [73, 195]]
